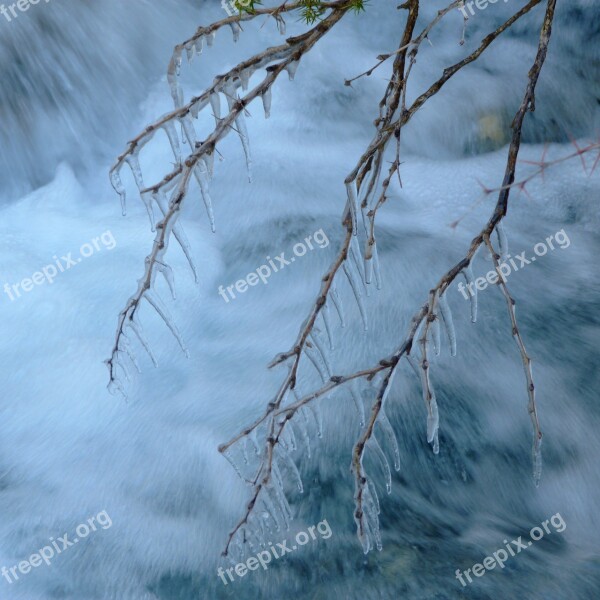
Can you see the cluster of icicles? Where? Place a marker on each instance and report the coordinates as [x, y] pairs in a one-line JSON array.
[[161, 197], [272, 511]]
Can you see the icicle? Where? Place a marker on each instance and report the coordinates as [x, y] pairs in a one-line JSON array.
[[360, 407], [371, 510], [171, 132], [448, 322], [502, 241], [147, 201], [362, 527], [471, 290], [266, 100], [167, 273], [178, 232], [252, 436], [376, 267], [292, 436], [115, 386], [188, 127], [291, 69], [190, 51], [233, 464], [280, 24], [134, 164], [277, 487], [302, 426], [136, 327], [357, 295], [326, 317], [352, 205], [197, 106], [384, 462], [245, 75], [435, 335], [115, 180], [244, 451], [201, 174], [433, 418], [215, 103], [315, 359], [129, 351], [210, 38], [337, 302], [161, 309], [537, 459], [199, 44], [272, 507], [356, 256], [235, 30], [388, 430], [240, 123], [316, 413], [172, 78], [316, 341], [123, 368], [289, 461]]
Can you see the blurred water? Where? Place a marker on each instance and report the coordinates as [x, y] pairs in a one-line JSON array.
[[89, 79]]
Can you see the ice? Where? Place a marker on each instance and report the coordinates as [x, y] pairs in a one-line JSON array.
[[471, 291], [352, 205], [374, 444], [190, 51], [235, 30], [326, 318], [162, 311], [245, 75], [115, 180], [266, 100], [171, 132], [291, 465], [167, 273], [302, 424], [210, 38], [178, 232], [202, 177], [448, 322], [291, 69], [280, 24], [173, 78], [537, 459], [318, 344], [315, 358], [350, 275], [199, 44], [436, 335], [315, 411], [360, 407], [240, 123], [134, 164], [502, 241], [215, 103], [137, 328], [388, 430], [337, 303], [189, 129]]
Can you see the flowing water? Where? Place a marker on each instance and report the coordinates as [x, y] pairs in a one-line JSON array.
[[79, 80]]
